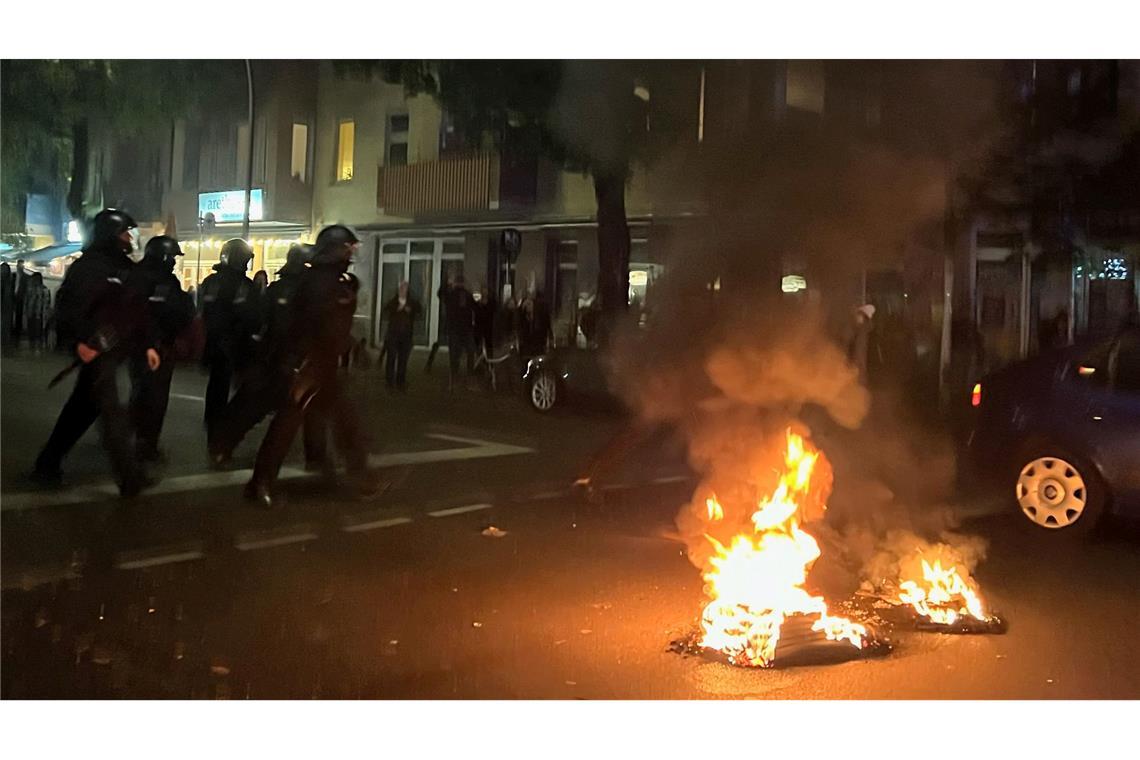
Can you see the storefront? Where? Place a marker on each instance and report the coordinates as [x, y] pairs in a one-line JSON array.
[[425, 264]]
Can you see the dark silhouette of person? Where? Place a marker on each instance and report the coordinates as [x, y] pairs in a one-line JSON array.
[[400, 313]]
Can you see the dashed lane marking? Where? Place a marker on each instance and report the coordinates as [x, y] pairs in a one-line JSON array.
[[159, 556], [460, 510], [188, 397], [268, 539], [473, 448], [671, 479], [351, 526]]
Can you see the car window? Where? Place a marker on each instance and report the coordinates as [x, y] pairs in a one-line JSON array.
[[1125, 363]]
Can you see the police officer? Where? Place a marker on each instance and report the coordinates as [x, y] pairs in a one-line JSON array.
[[105, 322], [264, 389], [320, 325], [171, 310], [231, 311]]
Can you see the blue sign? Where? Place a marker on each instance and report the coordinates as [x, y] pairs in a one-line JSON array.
[[229, 206], [40, 216]]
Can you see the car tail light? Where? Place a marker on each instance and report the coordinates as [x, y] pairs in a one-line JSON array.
[[976, 395]]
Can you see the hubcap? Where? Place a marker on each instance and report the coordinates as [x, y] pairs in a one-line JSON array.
[[1051, 492], [542, 393]]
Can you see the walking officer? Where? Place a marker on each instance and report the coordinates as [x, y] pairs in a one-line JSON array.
[[267, 385], [105, 322], [171, 310], [231, 311], [319, 333]]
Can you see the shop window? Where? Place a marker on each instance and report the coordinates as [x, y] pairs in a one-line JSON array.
[[346, 137], [299, 161], [397, 151]]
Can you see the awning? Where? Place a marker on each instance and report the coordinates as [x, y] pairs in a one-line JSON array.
[[44, 255]]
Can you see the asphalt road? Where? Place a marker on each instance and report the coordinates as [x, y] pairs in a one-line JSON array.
[[193, 594]]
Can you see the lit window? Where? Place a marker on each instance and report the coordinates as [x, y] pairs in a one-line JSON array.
[[804, 86], [300, 157], [345, 141], [398, 140]]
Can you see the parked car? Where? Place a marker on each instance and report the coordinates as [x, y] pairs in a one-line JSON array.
[[1061, 433], [562, 374]]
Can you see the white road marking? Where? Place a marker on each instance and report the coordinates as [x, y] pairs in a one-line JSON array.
[[187, 397], [671, 479], [250, 541], [360, 527], [459, 510], [160, 556], [550, 495], [474, 449]]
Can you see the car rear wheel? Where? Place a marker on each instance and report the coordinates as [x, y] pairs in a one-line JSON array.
[[1058, 492], [544, 391]]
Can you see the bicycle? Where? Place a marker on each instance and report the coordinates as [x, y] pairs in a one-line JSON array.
[[492, 367]]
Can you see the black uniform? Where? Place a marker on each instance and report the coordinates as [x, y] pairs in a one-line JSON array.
[[231, 311], [401, 318], [266, 387], [95, 307], [171, 310], [320, 325]]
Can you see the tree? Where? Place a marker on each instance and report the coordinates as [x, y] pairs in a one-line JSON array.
[[51, 108], [587, 116]]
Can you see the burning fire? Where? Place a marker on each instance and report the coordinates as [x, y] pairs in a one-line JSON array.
[[756, 582], [942, 596]]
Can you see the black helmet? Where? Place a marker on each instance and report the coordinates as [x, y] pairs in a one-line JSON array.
[[237, 254], [296, 259], [107, 226], [333, 244], [161, 251]]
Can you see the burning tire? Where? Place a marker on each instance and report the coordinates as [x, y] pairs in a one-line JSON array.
[[543, 391], [1058, 492]]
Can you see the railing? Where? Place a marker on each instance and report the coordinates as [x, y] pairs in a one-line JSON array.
[[467, 183]]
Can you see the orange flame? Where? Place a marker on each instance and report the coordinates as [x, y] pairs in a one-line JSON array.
[[942, 595], [756, 582]]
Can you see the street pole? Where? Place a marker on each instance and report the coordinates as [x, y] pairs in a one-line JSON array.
[[249, 161]]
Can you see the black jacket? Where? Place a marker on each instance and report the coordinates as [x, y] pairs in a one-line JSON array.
[[95, 306], [232, 312], [320, 323], [171, 309], [401, 320], [459, 309]]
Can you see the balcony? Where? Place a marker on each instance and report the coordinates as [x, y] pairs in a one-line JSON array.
[[466, 183], [469, 182]]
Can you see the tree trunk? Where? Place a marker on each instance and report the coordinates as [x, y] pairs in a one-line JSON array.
[[613, 246], [79, 166]]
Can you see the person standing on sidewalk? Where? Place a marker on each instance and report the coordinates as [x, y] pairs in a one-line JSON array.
[[20, 294], [320, 331], [105, 322], [37, 309], [401, 314], [460, 314]]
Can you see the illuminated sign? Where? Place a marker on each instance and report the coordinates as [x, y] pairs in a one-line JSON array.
[[793, 283], [229, 206]]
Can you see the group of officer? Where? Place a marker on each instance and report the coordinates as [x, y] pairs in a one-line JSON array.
[[280, 348]]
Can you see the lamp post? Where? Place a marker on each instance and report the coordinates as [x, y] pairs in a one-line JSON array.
[[249, 161]]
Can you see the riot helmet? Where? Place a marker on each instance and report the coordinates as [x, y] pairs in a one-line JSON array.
[[295, 260], [161, 253], [108, 227], [236, 254], [335, 245]]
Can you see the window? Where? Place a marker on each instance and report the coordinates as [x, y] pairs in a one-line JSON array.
[[397, 153], [299, 161], [451, 138], [345, 142], [804, 85]]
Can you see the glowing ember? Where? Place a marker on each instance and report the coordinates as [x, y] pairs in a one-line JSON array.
[[942, 596], [756, 582]]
